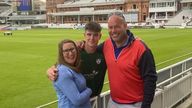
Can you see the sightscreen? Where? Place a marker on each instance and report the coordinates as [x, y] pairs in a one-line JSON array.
[[25, 5]]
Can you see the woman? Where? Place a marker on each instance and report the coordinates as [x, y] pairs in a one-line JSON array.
[[71, 85]]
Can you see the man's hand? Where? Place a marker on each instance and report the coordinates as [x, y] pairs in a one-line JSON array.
[[52, 73], [80, 44]]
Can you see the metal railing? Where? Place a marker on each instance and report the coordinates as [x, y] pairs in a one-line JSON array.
[[173, 90], [174, 84]]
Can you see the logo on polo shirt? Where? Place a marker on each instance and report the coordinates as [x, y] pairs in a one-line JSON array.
[[91, 75], [98, 61]]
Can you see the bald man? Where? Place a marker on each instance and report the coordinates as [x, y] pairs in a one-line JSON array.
[[131, 67]]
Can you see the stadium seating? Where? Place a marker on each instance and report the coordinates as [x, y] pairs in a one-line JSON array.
[[178, 19]]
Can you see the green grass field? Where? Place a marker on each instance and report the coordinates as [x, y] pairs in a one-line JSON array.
[[25, 57]]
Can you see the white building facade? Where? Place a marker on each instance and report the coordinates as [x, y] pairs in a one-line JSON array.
[[160, 11]]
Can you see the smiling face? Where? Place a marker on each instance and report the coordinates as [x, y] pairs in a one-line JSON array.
[[117, 28], [92, 38], [69, 53], [92, 34]]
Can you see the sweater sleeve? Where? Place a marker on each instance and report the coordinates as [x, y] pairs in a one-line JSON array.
[[67, 85], [149, 76]]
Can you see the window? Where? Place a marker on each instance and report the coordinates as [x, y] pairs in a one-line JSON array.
[[152, 5], [170, 4], [134, 6]]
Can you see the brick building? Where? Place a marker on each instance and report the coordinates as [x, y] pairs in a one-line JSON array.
[[82, 11]]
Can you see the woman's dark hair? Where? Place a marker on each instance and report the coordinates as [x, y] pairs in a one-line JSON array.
[[61, 60]]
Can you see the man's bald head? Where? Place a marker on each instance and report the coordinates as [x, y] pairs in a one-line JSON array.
[[116, 15]]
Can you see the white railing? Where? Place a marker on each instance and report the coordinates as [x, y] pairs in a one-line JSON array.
[[173, 90], [173, 85]]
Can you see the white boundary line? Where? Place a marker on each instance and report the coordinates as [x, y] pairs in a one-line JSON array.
[[41, 106], [44, 105], [173, 59]]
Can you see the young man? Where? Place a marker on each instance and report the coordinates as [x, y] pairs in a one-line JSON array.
[[131, 67], [93, 66]]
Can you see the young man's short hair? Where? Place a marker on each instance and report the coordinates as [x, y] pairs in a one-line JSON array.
[[93, 26]]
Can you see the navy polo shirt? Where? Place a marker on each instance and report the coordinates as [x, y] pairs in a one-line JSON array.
[[118, 50]]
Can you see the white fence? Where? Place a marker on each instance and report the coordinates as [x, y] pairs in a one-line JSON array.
[[173, 85]]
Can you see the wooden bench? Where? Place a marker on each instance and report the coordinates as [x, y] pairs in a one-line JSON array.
[[7, 33]]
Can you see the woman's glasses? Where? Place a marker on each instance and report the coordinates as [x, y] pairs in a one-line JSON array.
[[66, 51]]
